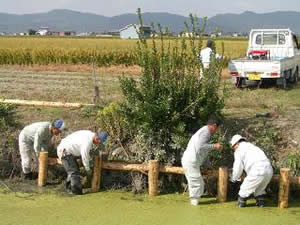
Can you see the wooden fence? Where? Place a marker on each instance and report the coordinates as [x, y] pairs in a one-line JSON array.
[[44, 103], [153, 168]]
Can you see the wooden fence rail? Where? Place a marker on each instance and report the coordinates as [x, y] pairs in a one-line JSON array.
[[153, 168], [44, 103]]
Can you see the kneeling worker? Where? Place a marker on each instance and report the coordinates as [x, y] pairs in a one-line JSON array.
[[259, 171], [36, 137], [77, 144], [195, 155]]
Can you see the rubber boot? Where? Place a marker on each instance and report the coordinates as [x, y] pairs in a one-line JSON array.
[[242, 202], [28, 176], [68, 186], [76, 186], [194, 201], [260, 202]]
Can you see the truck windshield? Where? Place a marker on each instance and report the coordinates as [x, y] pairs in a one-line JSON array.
[[270, 39]]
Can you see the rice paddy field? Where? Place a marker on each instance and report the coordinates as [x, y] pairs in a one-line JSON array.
[[45, 50]]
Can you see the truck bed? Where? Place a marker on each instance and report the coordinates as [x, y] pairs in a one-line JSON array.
[[265, 68]]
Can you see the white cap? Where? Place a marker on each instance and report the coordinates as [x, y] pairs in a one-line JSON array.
[[235, 139]]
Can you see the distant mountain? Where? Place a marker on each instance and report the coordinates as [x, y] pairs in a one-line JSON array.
[[62, 19], [247, 20], [56, 20]]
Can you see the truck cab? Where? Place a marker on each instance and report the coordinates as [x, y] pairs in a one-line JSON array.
[[272, 55]]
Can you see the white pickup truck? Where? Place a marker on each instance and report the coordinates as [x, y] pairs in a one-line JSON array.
[[273, 56]]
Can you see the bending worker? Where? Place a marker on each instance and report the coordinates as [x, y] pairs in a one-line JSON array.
[[35, 138], [77, 144], [259, 171], [195, 155]]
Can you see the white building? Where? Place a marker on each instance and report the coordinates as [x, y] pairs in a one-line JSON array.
[[43, 31], [131, 31]]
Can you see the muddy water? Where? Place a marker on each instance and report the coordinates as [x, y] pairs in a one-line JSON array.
[[119, 208]]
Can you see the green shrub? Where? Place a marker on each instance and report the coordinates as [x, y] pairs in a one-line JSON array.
[[292, 161], [10, 164], [169, 102], [7, 115]]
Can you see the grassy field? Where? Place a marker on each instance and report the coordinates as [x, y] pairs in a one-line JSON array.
[[57, 86], [241, 106], [115, 208]]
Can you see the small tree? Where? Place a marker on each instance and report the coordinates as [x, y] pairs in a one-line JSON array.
[[31, 32], [169, 102]]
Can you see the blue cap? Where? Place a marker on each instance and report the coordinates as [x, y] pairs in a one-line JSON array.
[[102, 136], [59, 124]]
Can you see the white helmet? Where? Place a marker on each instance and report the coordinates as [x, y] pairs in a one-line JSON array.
[[235, 139]]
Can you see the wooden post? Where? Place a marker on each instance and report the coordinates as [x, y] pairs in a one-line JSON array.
[[222, 184], [43, 168], [284, 188], [153, 177], [96, 181]]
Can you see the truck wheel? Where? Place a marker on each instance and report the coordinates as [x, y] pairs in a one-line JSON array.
[[294, 77], [238, 82], [284, 83], [281, 82]]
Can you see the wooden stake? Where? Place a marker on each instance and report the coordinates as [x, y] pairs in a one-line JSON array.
[[222, 184], [153, 177], [43, 168], [284, 188], [97, 174]]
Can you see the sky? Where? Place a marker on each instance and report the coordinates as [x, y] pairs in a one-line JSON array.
[[201, 8]]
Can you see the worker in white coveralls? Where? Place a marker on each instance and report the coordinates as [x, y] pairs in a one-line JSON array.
[[79, 143], [34, 138], [195, 155], [206, 54], [257, 166]]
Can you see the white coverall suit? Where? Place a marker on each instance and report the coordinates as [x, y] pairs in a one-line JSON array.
[[205, 55], [78, 143], [34, 138], [259, 171], [195, 156]]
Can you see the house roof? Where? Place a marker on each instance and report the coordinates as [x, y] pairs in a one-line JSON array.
[[137, 25]]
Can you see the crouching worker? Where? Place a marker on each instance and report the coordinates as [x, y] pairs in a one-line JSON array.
[[195, 155], [74, 145], [257, 166], [34, 138]]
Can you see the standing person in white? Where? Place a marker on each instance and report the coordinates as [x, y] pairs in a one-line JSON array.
[[259, 171], [196, 155], [206, 54], [79, 143], [34, 138]]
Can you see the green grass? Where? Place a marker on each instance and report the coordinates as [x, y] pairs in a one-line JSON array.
[[109, 208], [259, 100]]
